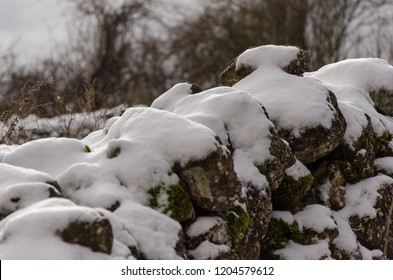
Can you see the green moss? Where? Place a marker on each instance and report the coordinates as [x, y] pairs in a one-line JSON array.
[[298, 65], [348, 171], [231, 75], [291, 191], [385, 135], [87, 149], [178, 204], [154, 196], [96, 235], [238, 220], [277, 236]]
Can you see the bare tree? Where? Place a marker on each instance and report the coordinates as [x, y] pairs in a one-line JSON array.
[[202, 45], [336, 28], [118, 50]]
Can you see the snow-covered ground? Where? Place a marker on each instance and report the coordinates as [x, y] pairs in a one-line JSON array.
[[118, 185]]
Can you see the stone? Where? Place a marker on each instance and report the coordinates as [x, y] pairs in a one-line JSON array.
[[285, 227], [316, 142], [231, 75], [328, 187], [377, 232], [308, 142], [172, 200], [249, 252], [274, 168], [96, 235], [383, 101], [360, 155], [211, 228], [212, 183], [259, 207], [293, 188]]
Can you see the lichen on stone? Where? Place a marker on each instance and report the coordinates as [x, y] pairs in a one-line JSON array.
[[172, 200], [238, 220], [299, 65], [96, 235], [291, 192]]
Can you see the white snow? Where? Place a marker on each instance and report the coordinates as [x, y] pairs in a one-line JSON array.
[[236, 117], [123, 161], [351, 80], [293, 103], [369, 254], [73, 124], [11, 175], [30, 233], [207, 250], [279, 56], [346, 239], [295, 251], [385, 163], [324, 190], [116, 166], [233, 115], [246, 170], [365, 73], [284, 216], [315, 217], [156, 234], [360, 198], [168, 99], [297, 170], [203, 225], [49, 155]]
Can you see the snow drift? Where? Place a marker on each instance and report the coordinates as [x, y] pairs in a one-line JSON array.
[[276, 163]]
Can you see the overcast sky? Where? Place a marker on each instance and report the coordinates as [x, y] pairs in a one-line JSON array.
[[34, 27], [31, 26]]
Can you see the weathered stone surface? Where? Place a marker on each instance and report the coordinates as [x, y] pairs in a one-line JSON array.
[[231, 75], [274, 168], [299, 65], [339, 254], [172, 200], [212, 183], [292, 189], [384, 145], [330, 177], [249, 251], [308, 143], [259, 207], [383, 101], [377, 232], [96, 235], [319, 141], [213, 228], [360, 154], [280, 232]]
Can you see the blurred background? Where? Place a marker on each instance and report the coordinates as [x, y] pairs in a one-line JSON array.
[[68, 56]]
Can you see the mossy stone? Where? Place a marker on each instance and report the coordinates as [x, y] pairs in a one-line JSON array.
[[291, 192], [231, 75], [299, 65], [238, 221], [96, 235], [279, 233], [178, 204], [87, 149]]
